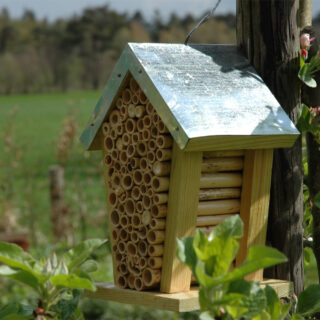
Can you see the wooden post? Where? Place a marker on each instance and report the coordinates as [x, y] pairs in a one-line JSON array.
[[181, 217], [255, 197], [268, 34]]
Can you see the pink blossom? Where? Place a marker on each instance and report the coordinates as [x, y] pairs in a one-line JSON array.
[[305, 41]]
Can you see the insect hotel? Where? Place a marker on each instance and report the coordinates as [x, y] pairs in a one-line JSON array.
[[187, 135]]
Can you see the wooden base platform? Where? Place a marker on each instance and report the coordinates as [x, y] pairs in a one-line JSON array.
[[180, 302]]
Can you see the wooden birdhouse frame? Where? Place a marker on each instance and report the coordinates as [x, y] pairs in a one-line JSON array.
[[209, 156]]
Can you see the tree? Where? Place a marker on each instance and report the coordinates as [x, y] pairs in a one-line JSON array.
[[268, 34]]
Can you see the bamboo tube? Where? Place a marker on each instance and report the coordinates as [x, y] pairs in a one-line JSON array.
[[151, 277], [164, 141], [135, 99], [123, 158], [139, 207], [131, 110], [138, 284], [122, 281], [129, 207], [146, 202], [155, 118], [140, 125], [119, 144], [115, 234], [126, 96], [219, 193], [130, 125], [107, 160], [126, 139], [161, 168], [155, 250], [155, 236], [131, 151], [147, 121], [131, 279], [146, 134], [135, 137], [158, 224], [115, 218], [137, 176], [116, 180], [139, 111], [123, 197], [122, 247], [135, 193], [142, 98], [118, 257], [124, 235], [229, 153], [161, 127], [151, 158], [111, 172], [124, 221], [129, 168], [114, 118], [206, 208], [146, 218], [159, 211], [127, 182], [123, 269], [116, 164], [143, 189], [222, 164], [143, 164], [147, 178], [207, 221], [163, 154], [115, 156], [136, 220], [142, 148], [120, 128], [154, 133], [150, 193], [123, 169], [105, 129], [108, 144], [220, 180], [155, 262], [129, 226], [114, 248], [113, 133], [133, 85], [142, 248], [143, 262], [113, 199], [132, 248], [149, 108], [135, 236], [123, 113], [143, 232], [135, 162], [159, 184], [119, 103], [160, 198], [120, 208]]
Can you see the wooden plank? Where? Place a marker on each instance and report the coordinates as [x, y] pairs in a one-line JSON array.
[[255, 202], [216, 143], [179, 302], [181, 216]]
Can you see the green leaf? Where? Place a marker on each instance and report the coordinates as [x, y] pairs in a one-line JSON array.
[[304, 119], [276, 309], [16, 311], [309, 300], [186, 252], [206, 316], [72, 281], [89, 266], [230, 227], [81, 252], [22, 276], [305, 75], [15, 257], [317, 200]]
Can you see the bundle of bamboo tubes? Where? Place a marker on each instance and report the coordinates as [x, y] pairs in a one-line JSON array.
[[137, 158]]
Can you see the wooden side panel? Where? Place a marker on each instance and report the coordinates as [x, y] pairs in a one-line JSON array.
[[181, 216], [255, 202]]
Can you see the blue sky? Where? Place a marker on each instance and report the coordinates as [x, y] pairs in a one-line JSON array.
[[53, 9]]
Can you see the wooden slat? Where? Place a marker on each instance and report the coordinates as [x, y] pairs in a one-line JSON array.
[[222, 164], [208, 221], [181, 217], [179, 302], [219, 193], [220, 180], [255, 202], [223, 153], [207, 208]]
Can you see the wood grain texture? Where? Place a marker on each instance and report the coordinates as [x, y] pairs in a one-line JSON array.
[[223, 153], [207, 208], [178, 302], [219, 193], [220, 180], [222, 164], [181, 217], [255, 202]]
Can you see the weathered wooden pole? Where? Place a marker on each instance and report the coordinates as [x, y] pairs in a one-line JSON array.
[[268, 34]]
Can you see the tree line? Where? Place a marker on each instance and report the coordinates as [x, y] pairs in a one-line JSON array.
[[78, 53]]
